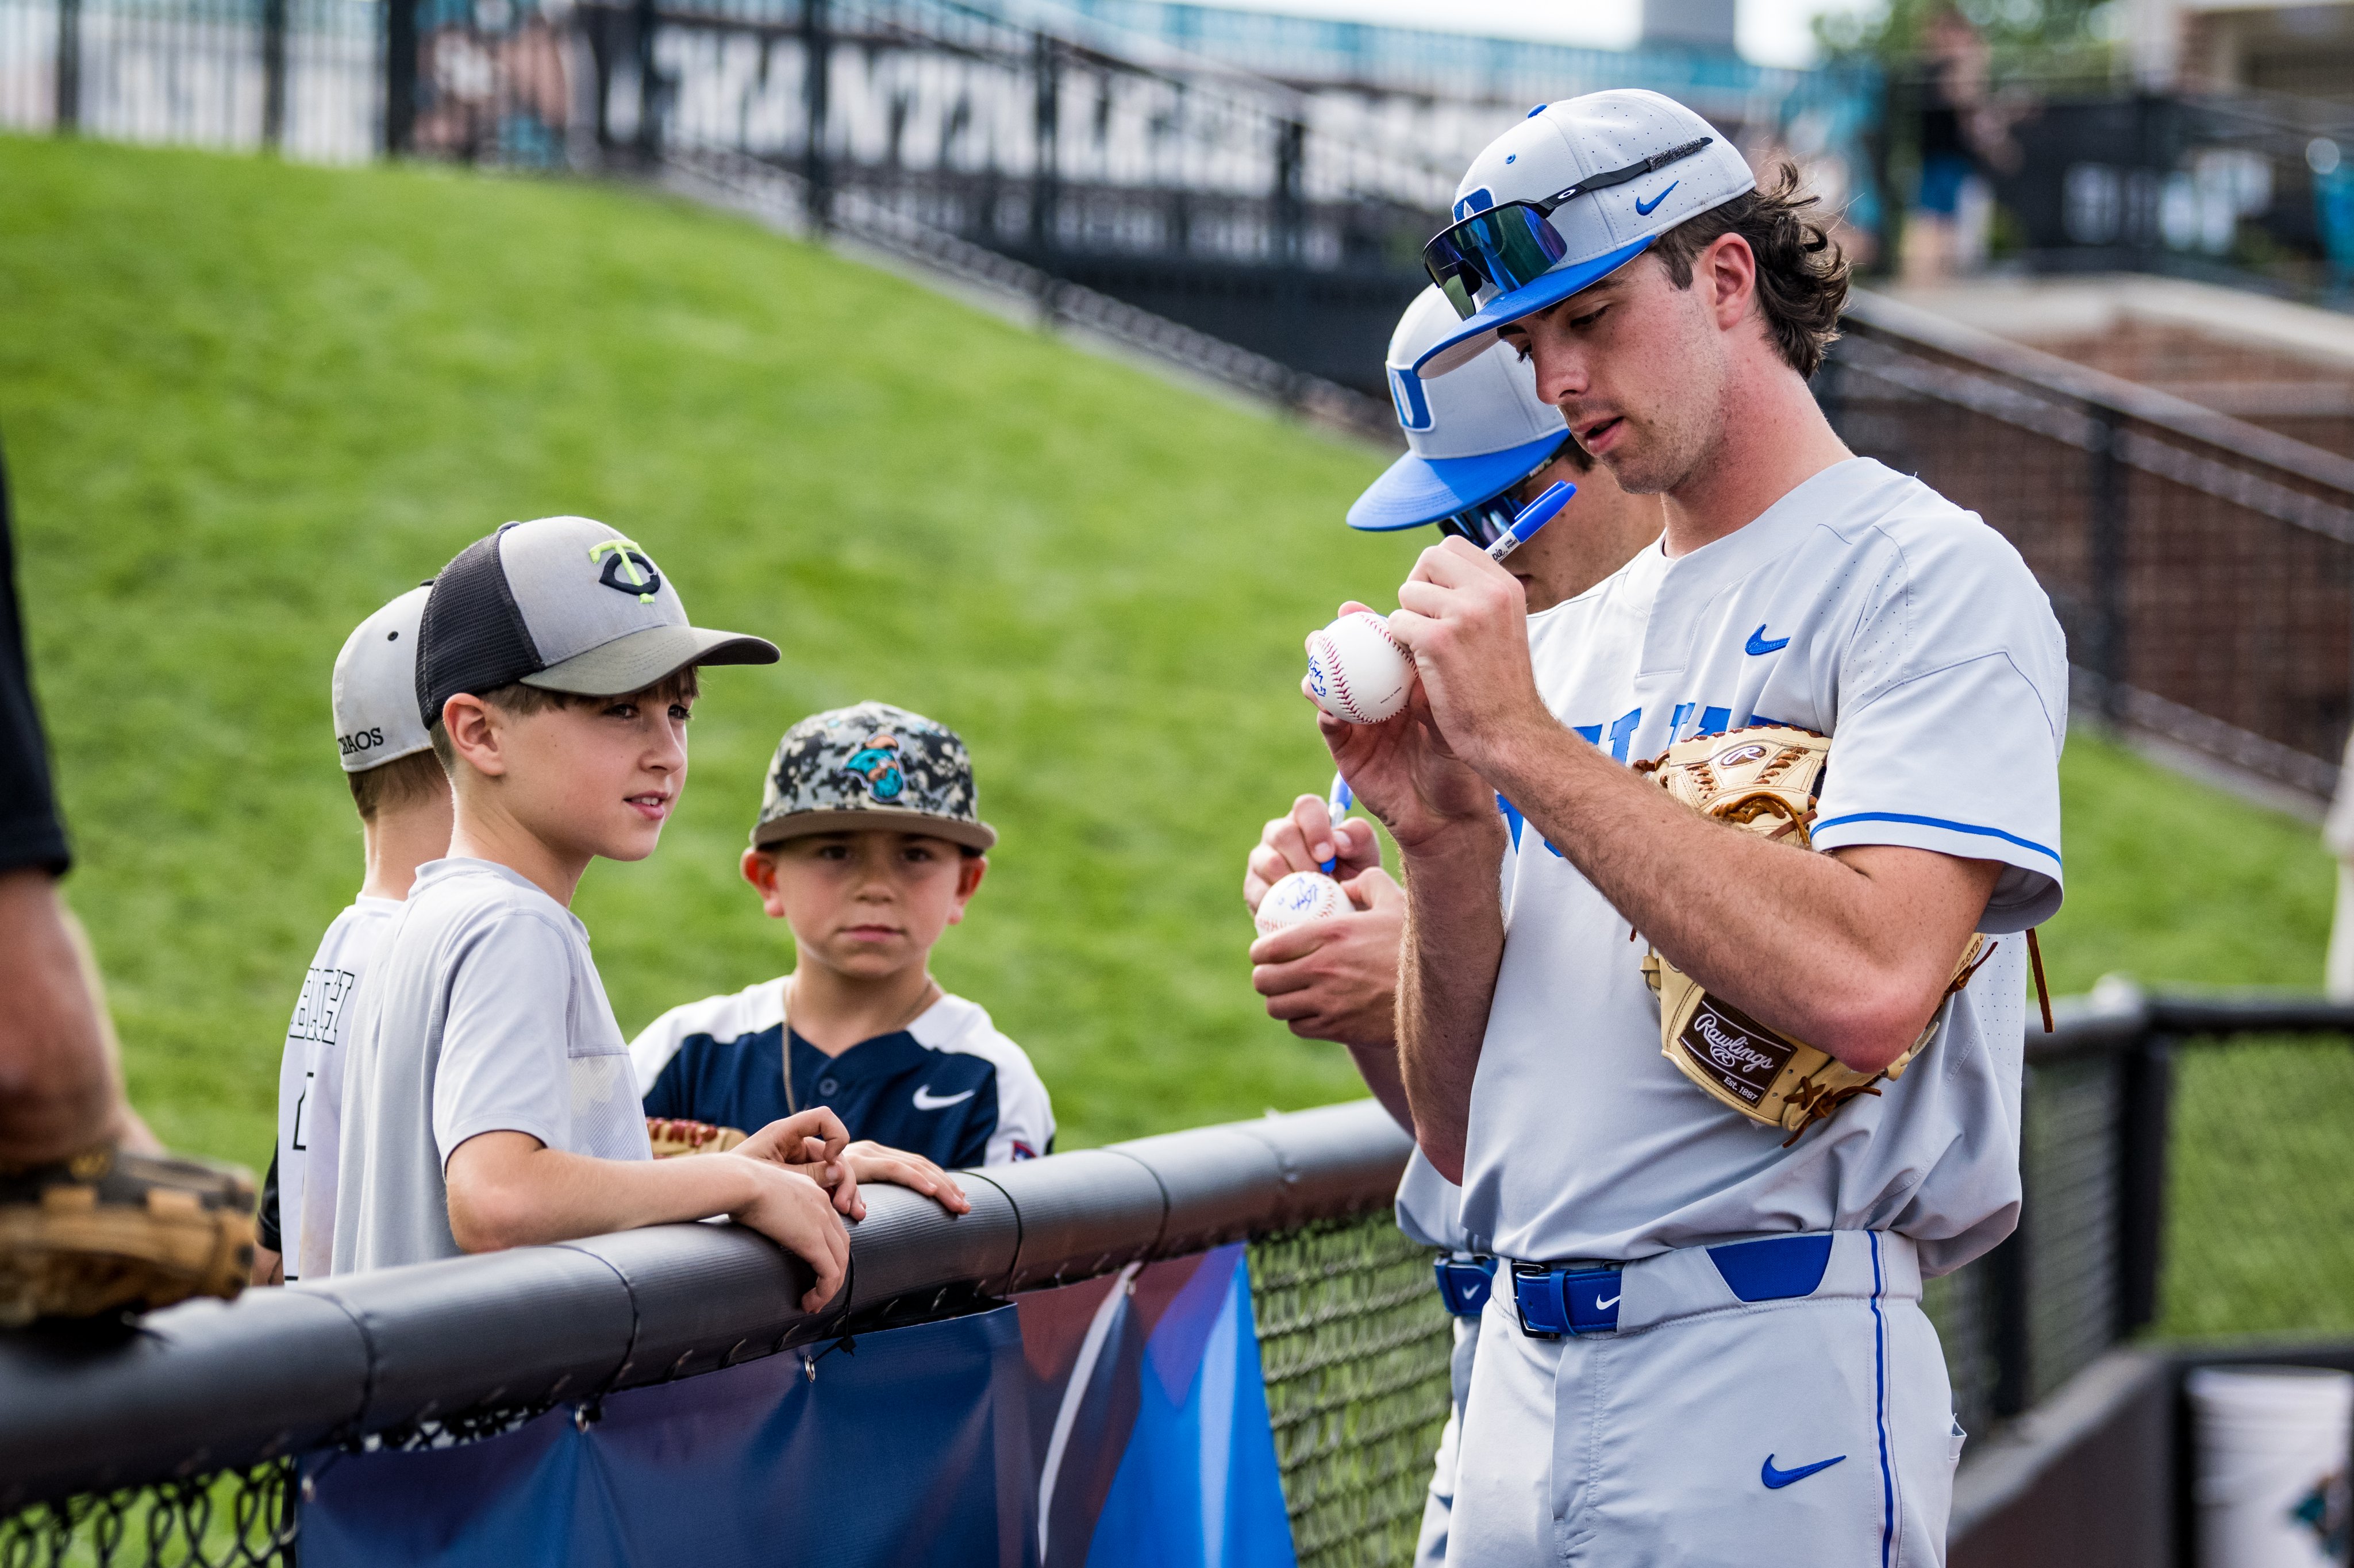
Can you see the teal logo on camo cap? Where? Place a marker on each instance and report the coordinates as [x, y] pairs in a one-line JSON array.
[[871, 765]]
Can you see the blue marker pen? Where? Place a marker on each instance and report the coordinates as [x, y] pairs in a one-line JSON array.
[[1336, 805], [1533, 516]]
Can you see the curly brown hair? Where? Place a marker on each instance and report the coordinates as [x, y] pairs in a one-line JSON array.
[[1801, 273]]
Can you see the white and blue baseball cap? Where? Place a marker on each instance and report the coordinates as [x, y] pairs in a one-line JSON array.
[[1468, 438], [1564, 199]]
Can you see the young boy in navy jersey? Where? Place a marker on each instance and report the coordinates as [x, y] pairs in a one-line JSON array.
[[868, 845]]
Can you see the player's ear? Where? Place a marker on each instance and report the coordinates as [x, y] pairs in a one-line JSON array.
[[971, 869]]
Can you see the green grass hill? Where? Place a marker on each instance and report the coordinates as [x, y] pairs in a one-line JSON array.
[[244, 403]]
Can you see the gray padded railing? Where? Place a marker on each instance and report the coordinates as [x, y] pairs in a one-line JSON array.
[[213, 1386]]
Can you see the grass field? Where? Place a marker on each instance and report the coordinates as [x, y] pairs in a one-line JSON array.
[[245, 403]]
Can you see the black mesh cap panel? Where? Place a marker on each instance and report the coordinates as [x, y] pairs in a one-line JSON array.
[[471, 637]]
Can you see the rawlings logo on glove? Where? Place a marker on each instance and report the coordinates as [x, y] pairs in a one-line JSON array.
[[1765, 779]]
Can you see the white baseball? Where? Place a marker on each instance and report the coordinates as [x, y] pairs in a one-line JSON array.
[[1356, 671], [1299, 896]]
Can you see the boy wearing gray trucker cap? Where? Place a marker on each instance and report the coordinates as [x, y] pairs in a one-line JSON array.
[[487, 1100], [1705, 1342], [403, 799]]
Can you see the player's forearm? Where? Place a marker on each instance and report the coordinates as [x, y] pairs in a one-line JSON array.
[[504, 1195], [1447, 982], [1378, 1065], [1815, 945]]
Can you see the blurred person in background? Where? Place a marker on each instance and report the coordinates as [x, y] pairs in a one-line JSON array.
[[1962, 133], [74, 1157]]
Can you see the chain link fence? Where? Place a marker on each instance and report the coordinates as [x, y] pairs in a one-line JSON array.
[[1355, 1347]]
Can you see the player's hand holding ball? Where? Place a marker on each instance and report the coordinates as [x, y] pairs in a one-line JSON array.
[[1298, 897], [1356, 671], [1400, 767], [1464, 619]]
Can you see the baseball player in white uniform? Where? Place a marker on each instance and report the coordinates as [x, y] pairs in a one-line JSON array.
[[1705, 1343], [1480, 445]]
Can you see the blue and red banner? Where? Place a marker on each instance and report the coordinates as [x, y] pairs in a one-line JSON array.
[[1120, 1421]]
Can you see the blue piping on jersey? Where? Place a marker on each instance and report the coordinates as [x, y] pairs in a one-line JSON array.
[[2052, 856], [1880, 1408]]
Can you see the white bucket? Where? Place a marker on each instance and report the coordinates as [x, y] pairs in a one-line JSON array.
[[2272, 1445]]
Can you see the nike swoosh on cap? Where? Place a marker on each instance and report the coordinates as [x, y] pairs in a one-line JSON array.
[[1646, 208], [927, 1100]]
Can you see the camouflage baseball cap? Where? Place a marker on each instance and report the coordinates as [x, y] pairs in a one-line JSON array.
[[871, 767]]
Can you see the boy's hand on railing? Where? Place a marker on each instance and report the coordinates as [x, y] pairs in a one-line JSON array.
[[795, 1212], [812, 1142], [872, 1161]]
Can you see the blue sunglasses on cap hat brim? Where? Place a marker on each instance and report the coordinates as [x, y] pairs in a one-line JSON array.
[[1485, 522], [1511, 245]]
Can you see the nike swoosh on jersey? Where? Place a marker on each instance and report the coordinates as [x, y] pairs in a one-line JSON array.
[[927, 1100], [1777, 1479], [1758, 643], [1646, 208]]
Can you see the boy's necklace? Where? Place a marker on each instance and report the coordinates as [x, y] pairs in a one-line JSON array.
[[931, 993]]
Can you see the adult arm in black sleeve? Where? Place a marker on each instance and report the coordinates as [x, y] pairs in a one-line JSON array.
[[58, 1090]]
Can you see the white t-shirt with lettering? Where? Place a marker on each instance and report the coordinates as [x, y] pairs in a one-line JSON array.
[[482, 1013], [310, 1072]]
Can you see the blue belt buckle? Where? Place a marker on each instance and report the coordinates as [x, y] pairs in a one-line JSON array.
[[1465, 1284], [1557, 1301]]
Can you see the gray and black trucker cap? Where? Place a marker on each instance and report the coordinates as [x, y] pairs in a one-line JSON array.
[[565, 604]]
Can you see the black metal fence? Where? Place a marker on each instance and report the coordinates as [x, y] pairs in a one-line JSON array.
[[2202, 568]]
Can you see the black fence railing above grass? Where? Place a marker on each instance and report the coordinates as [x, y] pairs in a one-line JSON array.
[[2201, 566]]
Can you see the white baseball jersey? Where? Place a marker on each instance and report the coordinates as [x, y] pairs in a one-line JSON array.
[[1868, 606], [307, 1118]]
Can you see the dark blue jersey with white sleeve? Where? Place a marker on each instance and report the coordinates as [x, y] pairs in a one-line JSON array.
[[948, 1086]]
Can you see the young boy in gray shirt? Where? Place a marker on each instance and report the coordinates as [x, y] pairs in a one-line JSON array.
[[488, 1100]]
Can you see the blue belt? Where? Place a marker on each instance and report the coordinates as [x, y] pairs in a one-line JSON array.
[[1569, 1298], [1465, 1283], [1583, 1298]]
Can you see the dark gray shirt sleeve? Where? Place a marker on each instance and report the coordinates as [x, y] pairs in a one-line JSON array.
[[30, 833]]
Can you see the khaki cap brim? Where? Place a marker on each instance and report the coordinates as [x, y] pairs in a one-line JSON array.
[[803, 824], [633, 663]]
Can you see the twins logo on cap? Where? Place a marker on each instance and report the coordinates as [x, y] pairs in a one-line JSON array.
[[871, 767], [566, 604]]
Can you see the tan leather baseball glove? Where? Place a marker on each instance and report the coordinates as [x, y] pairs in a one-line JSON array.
[[674, 1136], [1764, 780], [105, 1231]]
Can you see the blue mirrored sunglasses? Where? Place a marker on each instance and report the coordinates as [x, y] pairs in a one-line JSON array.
[[1511, 245], [1487, 522]]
